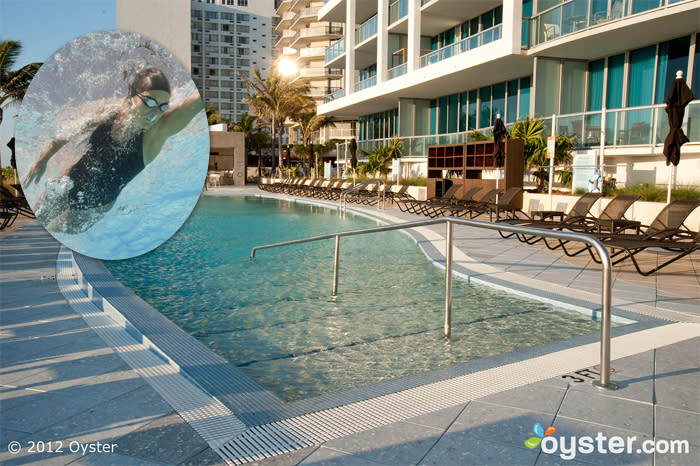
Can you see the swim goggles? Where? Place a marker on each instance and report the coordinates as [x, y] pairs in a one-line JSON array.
[[150, 102]]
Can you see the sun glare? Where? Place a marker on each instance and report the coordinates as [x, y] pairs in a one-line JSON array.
[[287, 67]]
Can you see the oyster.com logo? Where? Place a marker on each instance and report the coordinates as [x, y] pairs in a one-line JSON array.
[[538, 430]]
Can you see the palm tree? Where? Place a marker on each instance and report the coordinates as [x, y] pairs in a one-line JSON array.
[[250, 127], [13, 84], [309, 123], [213, 117], [275, 99]]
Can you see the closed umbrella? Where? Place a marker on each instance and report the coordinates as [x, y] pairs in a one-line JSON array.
[[353, 158], [499, 149], [679, 96]]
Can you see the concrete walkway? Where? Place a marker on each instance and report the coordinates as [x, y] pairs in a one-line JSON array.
[[60, 384]]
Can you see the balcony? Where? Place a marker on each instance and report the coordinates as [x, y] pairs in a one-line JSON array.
[[306, 15], [306, 35], [469, 43], [285, 20], [577, 15], [366, 83], [335, 95], [398, 10], [285, 38], [397, 71], [282, 6], [310, 53], [330, 73], [366, 30], [335, 50]]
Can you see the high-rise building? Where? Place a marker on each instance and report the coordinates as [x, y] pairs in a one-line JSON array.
[[430, 71], [303, 40], [218, 40]]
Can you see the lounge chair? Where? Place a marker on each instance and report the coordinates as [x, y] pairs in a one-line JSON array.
[[504, 206], [418, 207], [438, 208], [668, 227], [20, 202], [475, 206], [8, 213], [628, 249], [579, 213]]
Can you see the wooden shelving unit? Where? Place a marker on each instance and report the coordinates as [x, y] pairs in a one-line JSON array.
[[468, 161]]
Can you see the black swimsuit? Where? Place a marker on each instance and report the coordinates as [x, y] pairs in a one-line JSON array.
[[104, 170]]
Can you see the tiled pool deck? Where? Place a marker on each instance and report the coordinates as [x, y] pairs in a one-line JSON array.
[[59, 381]]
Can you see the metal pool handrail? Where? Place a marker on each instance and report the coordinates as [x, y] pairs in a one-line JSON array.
[[606, 298], [380, 192]]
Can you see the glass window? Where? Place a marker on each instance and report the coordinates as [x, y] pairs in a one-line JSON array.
[[547, 87], [442, 115], [463, 111], [474, 26], [616, 73], [640, 84], [639, 6], [524, 108], [498, 15], [465, 29], [471, 115], [433, 116], [485, 107], [595, 84], [673, 56], [573, 83], [499, 101], [487, 20], [453, 113], [512, 102]]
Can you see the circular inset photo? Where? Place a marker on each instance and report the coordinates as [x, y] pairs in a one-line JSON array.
[[112, 145]]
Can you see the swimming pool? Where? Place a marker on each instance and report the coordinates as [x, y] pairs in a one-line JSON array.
[[275, 320]]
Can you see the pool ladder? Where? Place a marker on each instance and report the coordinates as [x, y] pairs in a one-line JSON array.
[[450, 222]]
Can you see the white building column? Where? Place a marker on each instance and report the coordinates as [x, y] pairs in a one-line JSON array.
[[511, 29], [350, 46], [413, 35], [382, 40]]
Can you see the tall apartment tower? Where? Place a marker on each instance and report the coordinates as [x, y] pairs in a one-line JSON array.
[[216, 39], [229, 38], [303, 39]]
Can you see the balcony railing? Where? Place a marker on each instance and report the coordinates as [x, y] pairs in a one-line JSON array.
[[469, 43], [335, 50], [305, 14], [398, 10], [364, 84], [335, 95], [366, 30], [397, 71], [576, 15], [320, 72], [638, 126], [317, 32]]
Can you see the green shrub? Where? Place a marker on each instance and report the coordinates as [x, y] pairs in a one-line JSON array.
[[653, 193], [414, 181]]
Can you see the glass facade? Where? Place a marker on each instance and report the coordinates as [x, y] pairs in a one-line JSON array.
[[379, 125], [478, 108]]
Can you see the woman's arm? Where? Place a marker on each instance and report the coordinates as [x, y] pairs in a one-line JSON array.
[[40, 166], [172, 121]]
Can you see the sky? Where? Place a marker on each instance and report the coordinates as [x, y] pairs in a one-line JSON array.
[[44, 26]]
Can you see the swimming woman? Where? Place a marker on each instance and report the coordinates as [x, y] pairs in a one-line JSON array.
[[119, 148]]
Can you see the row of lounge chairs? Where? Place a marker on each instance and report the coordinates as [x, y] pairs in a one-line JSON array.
[[625, 239], [332, 190]]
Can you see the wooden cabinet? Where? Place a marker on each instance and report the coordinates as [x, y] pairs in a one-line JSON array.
[[466, 163]]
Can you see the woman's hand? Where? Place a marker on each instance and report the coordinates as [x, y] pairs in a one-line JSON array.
[[39, 167]]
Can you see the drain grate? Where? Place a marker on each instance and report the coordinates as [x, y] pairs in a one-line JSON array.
[[207, 416]]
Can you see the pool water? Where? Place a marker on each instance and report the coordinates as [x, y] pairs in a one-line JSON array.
[[274, 318]]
